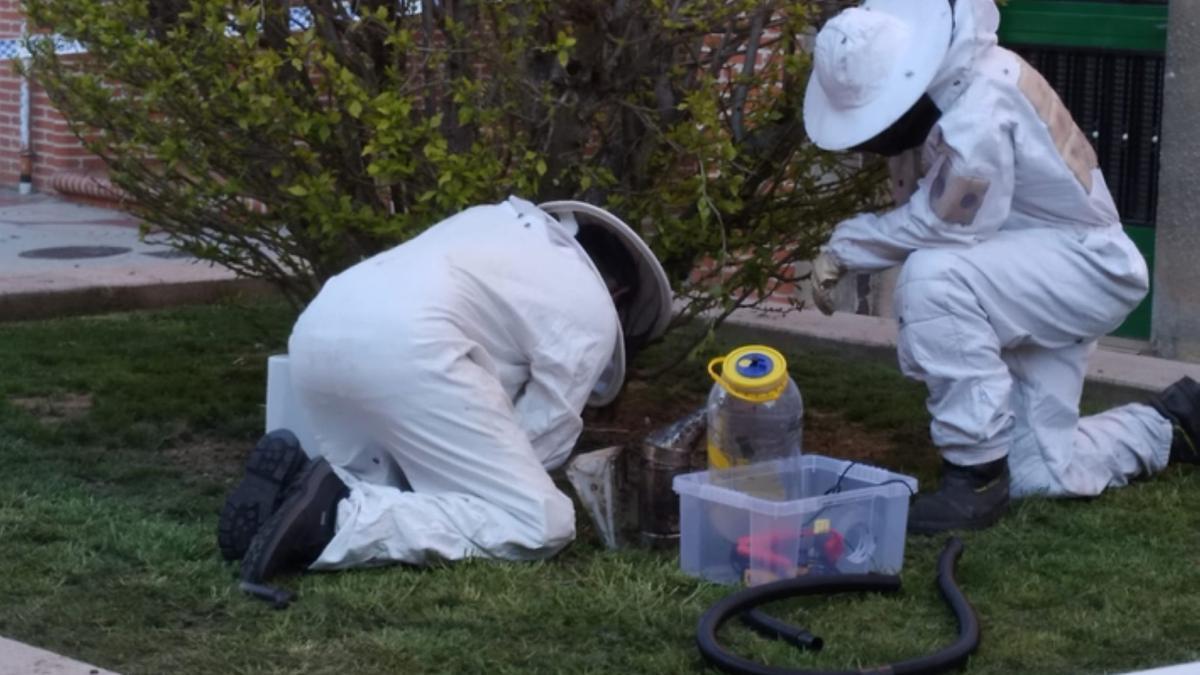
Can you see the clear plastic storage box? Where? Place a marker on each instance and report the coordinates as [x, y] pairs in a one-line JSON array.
[[788, 517]]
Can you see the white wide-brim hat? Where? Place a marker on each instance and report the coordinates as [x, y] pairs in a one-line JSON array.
[[650, 311], [870, 65]]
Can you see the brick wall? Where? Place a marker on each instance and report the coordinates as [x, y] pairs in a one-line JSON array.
[[55, 148], [10, 18], [10, 90]]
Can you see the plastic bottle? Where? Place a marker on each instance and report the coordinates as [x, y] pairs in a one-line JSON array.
[[755, 412]]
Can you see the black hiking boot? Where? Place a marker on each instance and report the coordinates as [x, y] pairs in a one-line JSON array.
[[1180, 404], [274, 463], [969, 498], [300, 528]]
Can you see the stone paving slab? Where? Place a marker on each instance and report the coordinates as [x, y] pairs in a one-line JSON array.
[[47, 256], [1192, 668], [21, 659], [59, 258], [51, 209]]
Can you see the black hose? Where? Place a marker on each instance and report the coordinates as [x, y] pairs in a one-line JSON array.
[[775, 629], [745, 600], [279, 598], [954, 656]]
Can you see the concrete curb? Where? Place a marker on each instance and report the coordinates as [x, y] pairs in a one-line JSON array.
[[1117, 375], [56, 303], [1125, 375], [21, 659]]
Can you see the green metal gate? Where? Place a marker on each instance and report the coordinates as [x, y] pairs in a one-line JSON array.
[[1106, 59]]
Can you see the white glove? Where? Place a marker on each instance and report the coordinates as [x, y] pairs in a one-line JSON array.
[[826, 271]]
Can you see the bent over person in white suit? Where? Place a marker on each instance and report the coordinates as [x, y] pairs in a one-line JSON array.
[[1014, 258], [442, 379]]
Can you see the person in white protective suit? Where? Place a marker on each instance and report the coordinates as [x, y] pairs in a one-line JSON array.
[[1014, 258], [443, 379]]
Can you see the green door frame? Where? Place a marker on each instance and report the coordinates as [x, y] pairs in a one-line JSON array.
[[1110, 26], [1077, 23]]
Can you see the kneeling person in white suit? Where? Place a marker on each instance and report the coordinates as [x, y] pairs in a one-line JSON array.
[[443, 378], [1014, 258]]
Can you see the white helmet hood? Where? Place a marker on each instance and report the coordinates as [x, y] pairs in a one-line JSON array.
[[870, 65], [650, 311]]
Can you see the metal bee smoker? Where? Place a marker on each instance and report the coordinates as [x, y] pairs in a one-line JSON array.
[[675, 449], [627, 490]]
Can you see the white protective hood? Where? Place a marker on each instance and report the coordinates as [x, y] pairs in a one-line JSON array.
[[975, 26], [870, 65], [941, 72], [651, 310]]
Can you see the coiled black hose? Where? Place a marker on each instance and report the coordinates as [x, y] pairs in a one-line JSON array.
[[747, 599], [771, 628]]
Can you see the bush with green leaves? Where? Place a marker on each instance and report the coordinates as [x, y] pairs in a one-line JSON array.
[[287, 145]]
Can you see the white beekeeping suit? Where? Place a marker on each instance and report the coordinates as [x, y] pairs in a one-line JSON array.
[[461, 360], [1014, 258]]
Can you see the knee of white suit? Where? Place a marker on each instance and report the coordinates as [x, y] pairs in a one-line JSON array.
[[558, 522], [946, 342], [931, 284], [944, 333]]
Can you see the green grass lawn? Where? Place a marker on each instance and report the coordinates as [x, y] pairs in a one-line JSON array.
[[119, 436]]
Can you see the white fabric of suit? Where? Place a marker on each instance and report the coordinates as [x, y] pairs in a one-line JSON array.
[[1014, 264], [462, 358]]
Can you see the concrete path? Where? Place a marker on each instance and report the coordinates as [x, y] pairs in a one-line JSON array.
[[1112, 365], [59, 258], [21, 659], [1181, 669]]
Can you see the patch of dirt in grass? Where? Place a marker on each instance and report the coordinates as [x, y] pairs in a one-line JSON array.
[[57, 409], [640, 412], [826, 433], [217, 459], [636, 413]]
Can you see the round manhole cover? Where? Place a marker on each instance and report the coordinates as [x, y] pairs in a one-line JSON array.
[[169, 254], [74, 252]]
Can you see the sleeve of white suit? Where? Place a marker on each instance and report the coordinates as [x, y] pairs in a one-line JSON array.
[[548, 409], [964, 198]]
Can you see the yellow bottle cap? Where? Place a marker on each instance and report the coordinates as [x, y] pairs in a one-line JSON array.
[[753, 373]]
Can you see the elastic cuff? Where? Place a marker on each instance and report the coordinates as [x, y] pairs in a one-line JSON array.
[[1162, 429], [972, 456], [827, 249]]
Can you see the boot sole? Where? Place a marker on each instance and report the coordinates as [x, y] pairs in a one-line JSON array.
[[977, 525], [309, 486], [268, 470], [1181, 397]]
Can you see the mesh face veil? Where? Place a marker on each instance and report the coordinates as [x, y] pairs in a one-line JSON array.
[[635, 279], [619, 270], [906, 133]]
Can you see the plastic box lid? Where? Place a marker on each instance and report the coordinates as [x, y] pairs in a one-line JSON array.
[[866, 479]]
